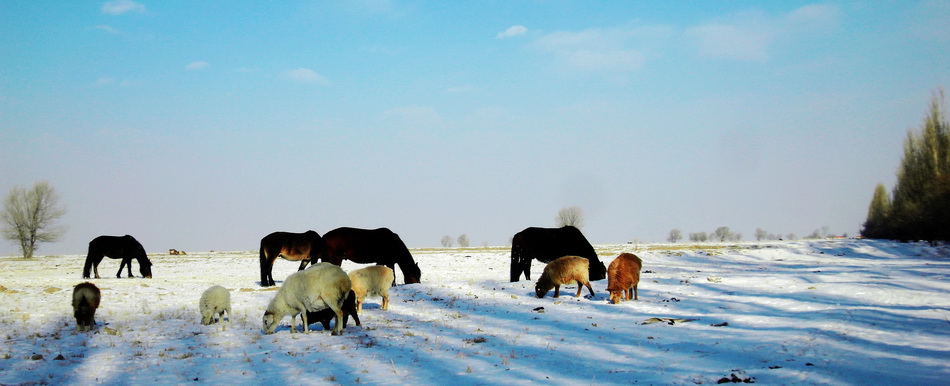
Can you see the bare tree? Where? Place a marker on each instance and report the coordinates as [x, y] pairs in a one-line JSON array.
[[573, 216], [698, 237], [675, 236], [29, 216], [761, 234], [722, 234], [447, 241], [463, 241]]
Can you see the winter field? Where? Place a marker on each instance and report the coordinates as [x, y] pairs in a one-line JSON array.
[[805, 312]]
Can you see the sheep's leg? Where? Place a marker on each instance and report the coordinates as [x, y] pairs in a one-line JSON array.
[[306, 325], [580, 287], [338, 327], [557, 291], [303, 264], [293, 324], [635, 295], [589, 288], [385, 302]]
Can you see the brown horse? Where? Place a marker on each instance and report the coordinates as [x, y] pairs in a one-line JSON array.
[[303, 247], [364, 246]]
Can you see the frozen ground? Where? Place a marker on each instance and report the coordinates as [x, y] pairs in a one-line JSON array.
[[809, 312]]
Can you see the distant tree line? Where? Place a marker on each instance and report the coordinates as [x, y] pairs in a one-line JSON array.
[[723, 233], [447, 241], [918, 208]]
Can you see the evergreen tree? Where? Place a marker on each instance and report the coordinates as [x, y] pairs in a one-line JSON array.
[[920, 203]]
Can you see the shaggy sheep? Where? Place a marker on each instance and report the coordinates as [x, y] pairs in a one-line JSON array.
[[323, 316], [622, 276], [564, 270], [85, 301], [375, 281], [321, 286], [215, 301]]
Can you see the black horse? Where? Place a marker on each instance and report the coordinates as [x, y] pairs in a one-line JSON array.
[[380, 246], [116, 247], [303, 247], [548, 244]]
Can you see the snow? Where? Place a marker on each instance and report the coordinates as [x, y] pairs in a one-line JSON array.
[[804, 312]]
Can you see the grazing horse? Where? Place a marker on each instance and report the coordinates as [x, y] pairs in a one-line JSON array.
[[548, 244], [303, 247], [380, 246], [116, 247]]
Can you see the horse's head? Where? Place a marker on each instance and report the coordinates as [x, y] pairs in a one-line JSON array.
[[145, 268], [413, 274]]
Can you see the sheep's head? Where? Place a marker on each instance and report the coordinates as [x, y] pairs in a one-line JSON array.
[[616, 296], [270, 322], [540, 289], [207, 316]]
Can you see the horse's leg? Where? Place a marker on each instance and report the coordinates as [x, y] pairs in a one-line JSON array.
[[526, 265], [515, 269], [95, 265], [125, 261], [392, 266]]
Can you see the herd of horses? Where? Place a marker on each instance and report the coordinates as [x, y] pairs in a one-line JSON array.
[[362, 246]]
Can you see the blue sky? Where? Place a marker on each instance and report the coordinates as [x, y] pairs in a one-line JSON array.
[[201, 126]]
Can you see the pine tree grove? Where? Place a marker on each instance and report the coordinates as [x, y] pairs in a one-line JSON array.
[[919, 206]]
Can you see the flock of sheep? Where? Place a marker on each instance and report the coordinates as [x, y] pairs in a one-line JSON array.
[[324, 291], [319, 293]]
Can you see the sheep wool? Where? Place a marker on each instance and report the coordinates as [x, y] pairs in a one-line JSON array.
[[623, 277], [372, 281], [561, 271], [215, 301], [321, 286], [86, 298]]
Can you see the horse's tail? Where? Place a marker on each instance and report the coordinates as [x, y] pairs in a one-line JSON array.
[[517, 254], [88, 266], [90, 257], [263, 265]]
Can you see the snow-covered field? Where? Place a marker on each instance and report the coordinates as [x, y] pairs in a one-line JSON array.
[[807, 312]]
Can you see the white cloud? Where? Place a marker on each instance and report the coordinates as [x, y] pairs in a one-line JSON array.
[[199, 65], [612, 50], [305, 75], [733, 41], [751, 35], [515, 30], [119, 7]]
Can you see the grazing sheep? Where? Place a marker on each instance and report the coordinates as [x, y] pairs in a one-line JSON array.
[[214, 301], [564, 270], [85, 301], [622, 276], [323, 316], [375, 281], [321, 286]]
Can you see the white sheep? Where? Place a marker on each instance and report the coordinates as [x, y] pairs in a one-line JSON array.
[[321, 286], [564, 270], [214, 301], [85, 301], [372, 281]]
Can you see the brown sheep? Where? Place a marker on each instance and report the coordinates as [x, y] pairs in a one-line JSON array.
[[564, 270], [622, 276], [85, 301], [372, 280]]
